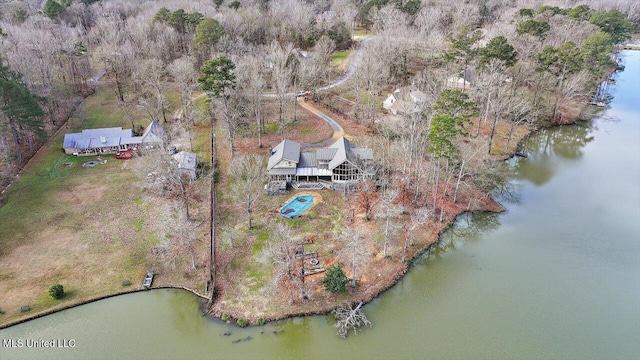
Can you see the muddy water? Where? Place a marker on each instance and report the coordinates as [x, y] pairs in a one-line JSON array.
[[556, 276]]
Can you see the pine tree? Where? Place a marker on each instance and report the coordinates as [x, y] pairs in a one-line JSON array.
[[19, 108], [335, 279]]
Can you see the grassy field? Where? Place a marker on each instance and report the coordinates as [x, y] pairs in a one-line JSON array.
[[360, 33], [339, 58], [87, 228]]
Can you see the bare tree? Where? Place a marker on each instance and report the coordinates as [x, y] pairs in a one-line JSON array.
[[163, 176], [181, 235], [253, 82], [349, 318], [371, 75], [248, 174], [388, 212], [367, 197], [185, 75], [150, 75], [287, 272], [467, 154], [419, 218], [281, 75], [116, 54], [234, 114], [355, 250]]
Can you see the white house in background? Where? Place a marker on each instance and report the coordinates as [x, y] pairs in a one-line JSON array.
[[111, 140], [463, 81], [187, 163], [405, 100]]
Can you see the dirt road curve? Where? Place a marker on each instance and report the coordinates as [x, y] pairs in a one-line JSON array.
[[338, 131]]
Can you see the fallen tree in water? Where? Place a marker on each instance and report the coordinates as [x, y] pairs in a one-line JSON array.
[[349, 318]]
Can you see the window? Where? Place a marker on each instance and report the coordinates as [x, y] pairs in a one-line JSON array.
[[346, 172]]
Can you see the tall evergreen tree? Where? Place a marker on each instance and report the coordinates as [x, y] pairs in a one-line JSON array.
[[19, 108], [52, 9], [614, 23], [500, 49]]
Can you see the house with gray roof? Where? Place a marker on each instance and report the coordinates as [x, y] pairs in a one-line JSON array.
[[340, 163], [111, 140], [186, 163], [463, 80], [405, 101]]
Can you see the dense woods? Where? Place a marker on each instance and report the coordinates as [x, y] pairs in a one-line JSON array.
[[486, 68]]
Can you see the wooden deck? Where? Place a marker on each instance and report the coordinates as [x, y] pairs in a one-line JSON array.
[[310, 262]]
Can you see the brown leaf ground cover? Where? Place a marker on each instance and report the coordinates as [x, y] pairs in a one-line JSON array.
[[308, 128]]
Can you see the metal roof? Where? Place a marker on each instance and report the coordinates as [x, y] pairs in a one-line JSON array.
[[154, 133], [82, 144], [325, 154], [282, 171], [186, 160], [308, 159], [345, 151], [287, 149], [307, 162], [113, 136], [363, 153], [70, 140], [104, 141], [105, 132], [133, 140]]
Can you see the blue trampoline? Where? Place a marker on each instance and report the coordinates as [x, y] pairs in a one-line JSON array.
[[297, 206]]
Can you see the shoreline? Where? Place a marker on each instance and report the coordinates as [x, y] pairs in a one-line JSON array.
[[448, 223], [102, 297], [395, 280], [324, 310]]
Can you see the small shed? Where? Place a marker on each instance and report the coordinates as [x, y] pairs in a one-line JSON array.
[[187, 163]]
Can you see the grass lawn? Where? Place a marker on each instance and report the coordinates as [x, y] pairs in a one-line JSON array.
[[339, 58], [359, 34], [87, 228]]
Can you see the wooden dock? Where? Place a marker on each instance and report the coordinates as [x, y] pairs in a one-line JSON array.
[[629, 47]]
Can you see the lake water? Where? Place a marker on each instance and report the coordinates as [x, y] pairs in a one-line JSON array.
[[555, 276]]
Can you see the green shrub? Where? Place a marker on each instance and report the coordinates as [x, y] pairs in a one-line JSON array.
[[261, 321], [242, 322], [56, 291], [335, 280], [225, 317]]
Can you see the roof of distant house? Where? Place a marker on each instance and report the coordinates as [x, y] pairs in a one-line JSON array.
[[467, 75], [186, 160], [113, 136], [410, 93]]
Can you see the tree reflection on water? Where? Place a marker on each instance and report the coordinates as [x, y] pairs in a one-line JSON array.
[[467, 227], [549, 145]]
